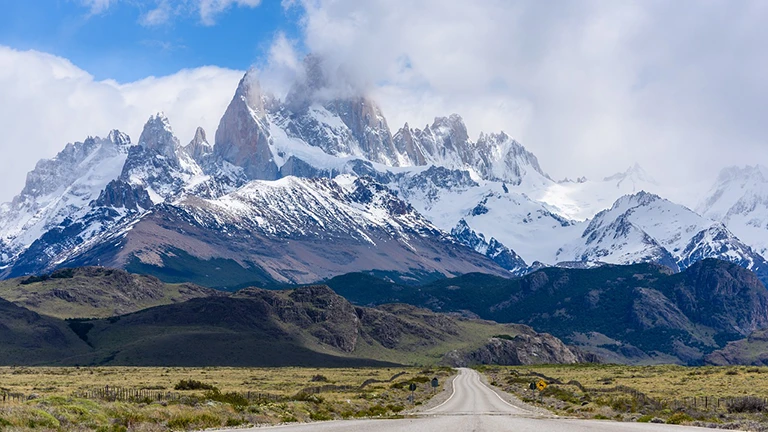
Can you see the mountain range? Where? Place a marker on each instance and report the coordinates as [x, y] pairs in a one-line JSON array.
[[65, 318], [641, 313], [313, 185]]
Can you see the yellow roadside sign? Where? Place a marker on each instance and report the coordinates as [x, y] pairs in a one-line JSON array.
[[541, 385]]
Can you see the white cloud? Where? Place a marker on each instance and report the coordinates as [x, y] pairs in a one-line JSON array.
[[98, 6], [165, 10], [161, 14], [590, 86], [210, 8], [48, 102]]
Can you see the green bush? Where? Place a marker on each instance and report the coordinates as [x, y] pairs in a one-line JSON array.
[[193, 385], [600, 417], [41, 419], [232, 422], [320, 416], [679, 418], [645, 419], [562, 394], [232, 398], [624, 404]]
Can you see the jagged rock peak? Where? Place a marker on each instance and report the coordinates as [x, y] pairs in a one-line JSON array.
[[636, 199], [199, 146], [158, 135], [119, 138], [242, 137], [453, 125], [249, 91], [120, 194]]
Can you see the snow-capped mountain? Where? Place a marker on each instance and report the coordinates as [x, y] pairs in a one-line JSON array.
[[314, 185], [60, 188], [159, 164], [647, 228], [291, 230], [311, 133], [739, 199]]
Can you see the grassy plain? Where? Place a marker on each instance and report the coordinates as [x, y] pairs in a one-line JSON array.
[[712, 396], [53, 397]]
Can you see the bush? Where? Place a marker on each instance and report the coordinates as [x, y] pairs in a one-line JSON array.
[[199, 421], [193, 385], [732, 372], [562, 394], [600, 417], [624, 404], [232, 398], [319, 378], [679, 418], [645, 419], [320, 416], [232, 422], [747, 404]]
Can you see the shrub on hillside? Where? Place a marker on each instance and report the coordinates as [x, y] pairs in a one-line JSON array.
[[193, 385], [747, 404]]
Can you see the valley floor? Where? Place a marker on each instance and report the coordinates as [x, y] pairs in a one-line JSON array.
[[121, 399], [474, 406]]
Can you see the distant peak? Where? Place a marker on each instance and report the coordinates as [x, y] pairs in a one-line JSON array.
[[119, 138], [636, 199], [636, 173], [453, 122], [757, 173], [158, 135], [581, 179], [199, 135], [199, 147]]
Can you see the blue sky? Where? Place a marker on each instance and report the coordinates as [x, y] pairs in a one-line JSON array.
[[115, 43]]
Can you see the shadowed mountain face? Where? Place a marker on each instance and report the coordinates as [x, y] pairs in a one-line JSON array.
[[309, 326], [27, 338], [641, 313]]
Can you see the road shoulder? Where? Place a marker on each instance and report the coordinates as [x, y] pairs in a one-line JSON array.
[[437, 399], [515, 401]]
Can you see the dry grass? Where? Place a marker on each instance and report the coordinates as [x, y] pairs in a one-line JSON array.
[[667, 393], [280, 381], [55, 407], [667, 381]]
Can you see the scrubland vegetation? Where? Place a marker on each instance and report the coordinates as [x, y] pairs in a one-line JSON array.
[[161, 399], [732, 397]]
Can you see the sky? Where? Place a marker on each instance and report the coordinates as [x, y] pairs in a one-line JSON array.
[[589, 86]]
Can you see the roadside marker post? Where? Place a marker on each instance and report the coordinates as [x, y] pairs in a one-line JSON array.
[[412, 388]]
